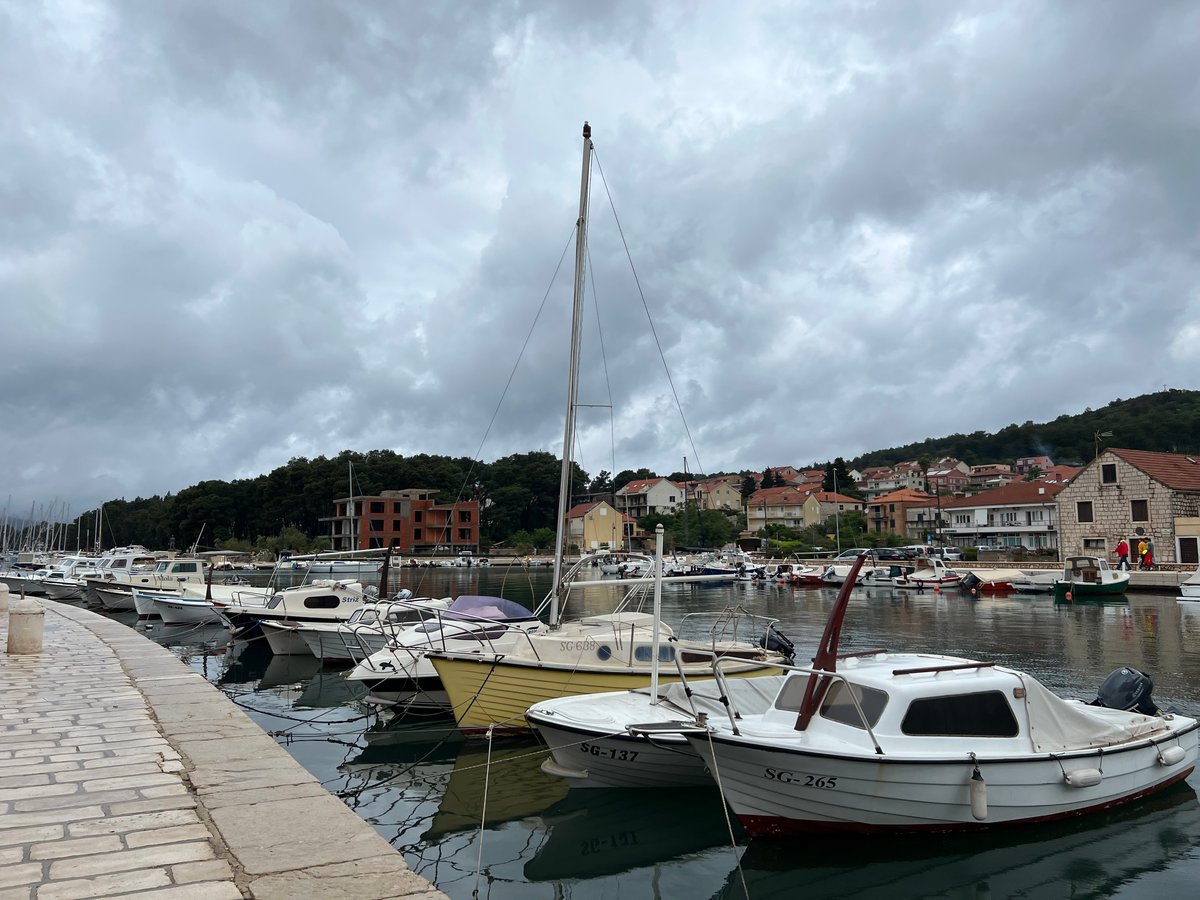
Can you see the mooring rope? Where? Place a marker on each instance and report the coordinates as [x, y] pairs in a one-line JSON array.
[[737, 860], [483, 813]]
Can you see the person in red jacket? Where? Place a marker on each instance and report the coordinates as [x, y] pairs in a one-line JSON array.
[[1122, 554]]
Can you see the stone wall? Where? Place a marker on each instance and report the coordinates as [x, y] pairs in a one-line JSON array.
[[1111, 510]]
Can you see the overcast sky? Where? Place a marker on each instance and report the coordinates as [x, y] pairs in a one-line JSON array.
[[236, 233]]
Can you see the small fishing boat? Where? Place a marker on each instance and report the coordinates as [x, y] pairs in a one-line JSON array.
[[1089, 578], [1035, 582], [917, 742], [990, 581], [928, 572], [1189, 589]]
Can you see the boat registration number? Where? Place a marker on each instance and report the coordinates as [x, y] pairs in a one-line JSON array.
[[783, 776], [609, 752], [586, 644]]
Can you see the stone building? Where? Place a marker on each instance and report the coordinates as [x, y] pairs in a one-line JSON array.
[[1133, 494]]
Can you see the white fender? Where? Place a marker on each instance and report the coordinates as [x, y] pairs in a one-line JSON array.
[[1083, 777], [1171, 755], [978, 796]]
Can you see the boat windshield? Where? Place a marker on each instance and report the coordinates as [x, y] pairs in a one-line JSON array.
[[470, 606]]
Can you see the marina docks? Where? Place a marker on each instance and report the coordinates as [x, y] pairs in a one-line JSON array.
[[122, 771]]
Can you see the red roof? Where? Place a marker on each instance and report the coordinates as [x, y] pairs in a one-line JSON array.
[[903, 495], [831, 497], [1019, 493], [785, 494], [643, 485], [1177, 471]]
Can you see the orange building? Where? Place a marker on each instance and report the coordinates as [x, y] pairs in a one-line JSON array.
[[412, 518]]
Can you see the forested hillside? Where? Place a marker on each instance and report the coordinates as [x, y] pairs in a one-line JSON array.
[[1167, 421], [520, 492]]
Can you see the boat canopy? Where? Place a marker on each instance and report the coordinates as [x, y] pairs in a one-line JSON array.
[[1057, 725], [474, 606]]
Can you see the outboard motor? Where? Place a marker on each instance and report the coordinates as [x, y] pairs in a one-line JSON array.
[[1127, 689], [777, 642]]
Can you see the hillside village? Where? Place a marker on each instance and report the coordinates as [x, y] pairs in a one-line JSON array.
[[1031, 504]]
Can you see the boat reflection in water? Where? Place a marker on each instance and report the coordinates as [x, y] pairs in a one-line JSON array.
[[607, 831], [421, 784], [1055, 860]]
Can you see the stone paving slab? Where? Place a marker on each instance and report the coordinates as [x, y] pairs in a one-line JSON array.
[[125, 773]]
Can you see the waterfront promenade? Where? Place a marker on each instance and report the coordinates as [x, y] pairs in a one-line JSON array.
[[123, 772]]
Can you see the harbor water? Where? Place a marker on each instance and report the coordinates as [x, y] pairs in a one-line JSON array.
[[479, 818]]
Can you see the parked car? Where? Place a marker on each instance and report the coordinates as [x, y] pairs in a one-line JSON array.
[[851, 555], [950, 554], [890, 553]]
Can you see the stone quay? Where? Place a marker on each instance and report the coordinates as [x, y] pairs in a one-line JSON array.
[[123, 772]]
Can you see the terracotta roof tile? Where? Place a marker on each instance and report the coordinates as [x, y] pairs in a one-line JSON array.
[[1178, 471], [1019, 493]]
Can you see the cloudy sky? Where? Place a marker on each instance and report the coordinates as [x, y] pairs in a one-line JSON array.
[[235, 233]]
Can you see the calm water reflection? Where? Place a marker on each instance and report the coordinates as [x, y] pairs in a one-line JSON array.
[[423, 787]]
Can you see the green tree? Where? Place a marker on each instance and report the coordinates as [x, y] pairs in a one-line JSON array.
[[749, 486]]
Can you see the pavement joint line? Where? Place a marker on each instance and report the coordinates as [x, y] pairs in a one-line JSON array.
[[108, 707]]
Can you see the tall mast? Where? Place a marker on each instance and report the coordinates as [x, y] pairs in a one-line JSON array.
[[564, 481]]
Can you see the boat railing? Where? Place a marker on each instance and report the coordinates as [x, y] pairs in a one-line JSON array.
[[826, 676], [731, 624]]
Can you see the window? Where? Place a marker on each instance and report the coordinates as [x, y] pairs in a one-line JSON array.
[[840, 708], [417, 515], [1108, 473], [377, 524], [646, 654], [396, 509], [376, 506], [397, 524], [1139, 510], [1094, 546], [185, 567], [1083, 511], [416, 534], [967, 715], [464, 534], [464, 515], [792, 694], [324, 601]]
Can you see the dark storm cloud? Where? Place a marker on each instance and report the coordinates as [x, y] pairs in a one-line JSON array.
[[233, 234]]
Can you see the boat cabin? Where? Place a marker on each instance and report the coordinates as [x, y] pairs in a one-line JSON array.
[[1089, 569], [916, 704]]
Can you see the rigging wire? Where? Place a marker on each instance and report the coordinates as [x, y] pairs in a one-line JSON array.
[[646, 307]]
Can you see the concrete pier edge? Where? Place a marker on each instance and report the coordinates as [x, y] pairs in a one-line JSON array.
[[280, 832]]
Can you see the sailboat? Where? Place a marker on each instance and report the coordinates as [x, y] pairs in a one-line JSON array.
[[614, 651]]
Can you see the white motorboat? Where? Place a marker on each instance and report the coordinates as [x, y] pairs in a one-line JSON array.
[[928, 572], [116, 565], [65, 579], [341, 640], [877, 576], [882, 742], [1036, 582], [22, 581], [368, 629], [192, 604], [401, 674], [629, 739], [1189, 588], [322, 600], [115, 590]]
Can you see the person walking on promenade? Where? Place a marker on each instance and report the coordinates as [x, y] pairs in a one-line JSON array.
[[1122, 554], [1149, 560], [1142, 553]]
